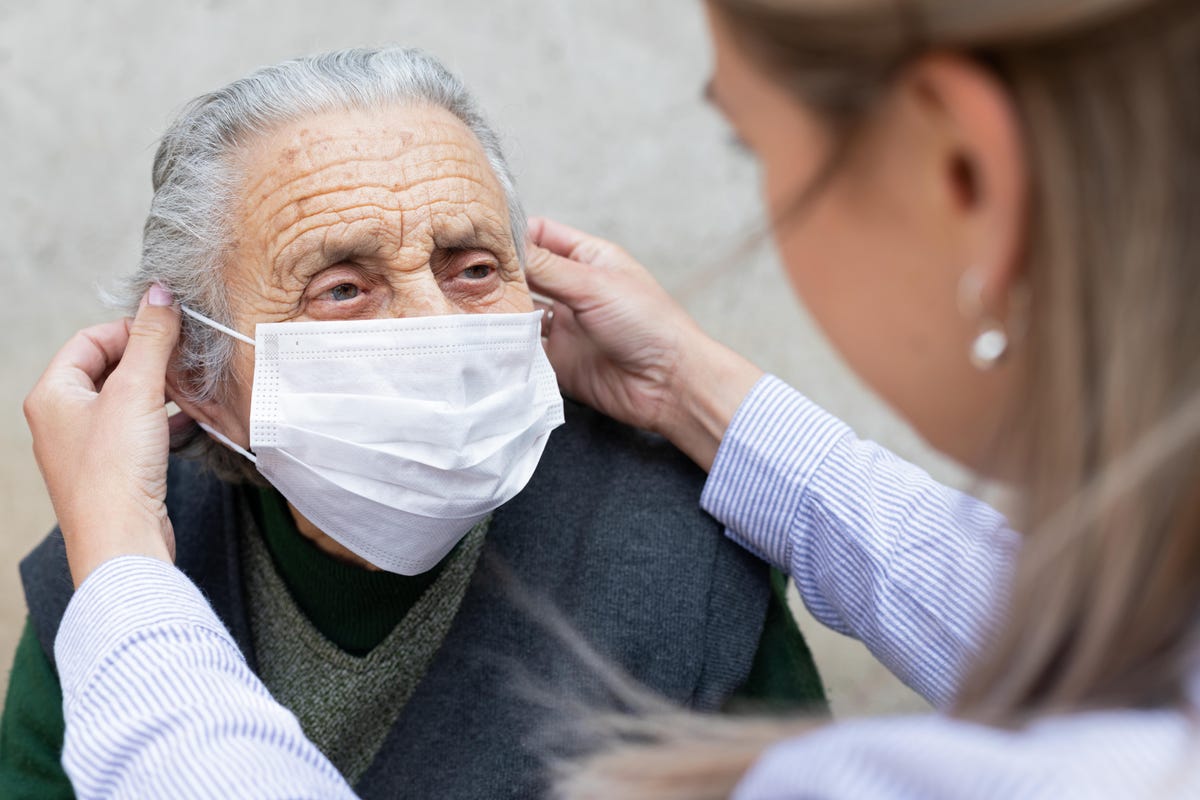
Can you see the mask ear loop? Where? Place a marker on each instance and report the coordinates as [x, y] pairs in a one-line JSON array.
[[225, 440], [212, 323]]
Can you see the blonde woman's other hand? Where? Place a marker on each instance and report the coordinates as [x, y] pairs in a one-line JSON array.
[[621, 344], [101, 436]]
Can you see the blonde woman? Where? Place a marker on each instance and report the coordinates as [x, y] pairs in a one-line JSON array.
[[987, 205]]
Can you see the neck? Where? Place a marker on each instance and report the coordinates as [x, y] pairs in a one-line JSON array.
[[326, 544]]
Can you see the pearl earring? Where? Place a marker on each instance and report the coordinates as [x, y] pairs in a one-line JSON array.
[[991, 345]]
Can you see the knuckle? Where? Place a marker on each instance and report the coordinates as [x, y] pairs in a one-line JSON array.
[[80, 338], [588, 251], [535, 257], [601, 252], [32, 405], [619, 254], [40, 407]]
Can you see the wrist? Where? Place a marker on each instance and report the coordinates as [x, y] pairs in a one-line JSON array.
[[709, 386], [92, 545]]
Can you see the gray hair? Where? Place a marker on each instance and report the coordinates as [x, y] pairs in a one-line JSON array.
[[187, 232]]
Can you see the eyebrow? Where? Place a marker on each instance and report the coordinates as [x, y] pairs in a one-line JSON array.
[[466, 240], [313, 258], [364, 244]]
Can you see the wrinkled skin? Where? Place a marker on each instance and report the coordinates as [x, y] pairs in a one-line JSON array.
[[364, 215]]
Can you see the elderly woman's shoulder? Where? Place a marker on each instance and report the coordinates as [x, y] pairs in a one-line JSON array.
[[596, 476], [591, 438], [600, 481], [205, 514]]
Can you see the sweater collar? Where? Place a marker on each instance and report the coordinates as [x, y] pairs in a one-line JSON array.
[[353, 607]]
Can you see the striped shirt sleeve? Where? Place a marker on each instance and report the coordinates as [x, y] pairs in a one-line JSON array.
[[159, 702], [1083, 756], [878, 549]]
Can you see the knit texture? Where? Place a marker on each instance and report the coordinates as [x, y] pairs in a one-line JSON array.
[[346, 704], [352, 606], [608, 533]]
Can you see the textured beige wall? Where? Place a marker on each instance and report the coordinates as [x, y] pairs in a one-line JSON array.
[[600, 107]]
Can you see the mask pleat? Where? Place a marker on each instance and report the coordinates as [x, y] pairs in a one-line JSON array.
[[395, 437]]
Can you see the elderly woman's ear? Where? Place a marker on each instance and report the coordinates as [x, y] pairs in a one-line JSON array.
[[215, 414]]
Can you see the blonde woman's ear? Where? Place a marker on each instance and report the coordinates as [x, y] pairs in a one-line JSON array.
[[982, 175]]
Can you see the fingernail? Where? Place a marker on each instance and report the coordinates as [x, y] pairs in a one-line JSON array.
[[158, 295]]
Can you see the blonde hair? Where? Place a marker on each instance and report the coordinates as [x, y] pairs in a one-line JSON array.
[[1105, 608]]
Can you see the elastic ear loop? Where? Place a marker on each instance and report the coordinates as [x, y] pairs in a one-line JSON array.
[[220, 437], [225, 440], [212, 323]]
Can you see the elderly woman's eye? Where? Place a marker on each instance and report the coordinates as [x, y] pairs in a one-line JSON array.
[[478, 272], [344, 291]]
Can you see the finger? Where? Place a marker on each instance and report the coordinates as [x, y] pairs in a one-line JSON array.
[[152, 337], [560, 239], [564, 342], [559, 278], [89, 355]]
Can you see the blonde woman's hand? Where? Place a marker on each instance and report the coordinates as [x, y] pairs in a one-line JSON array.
[[622, 345], [101, 436]]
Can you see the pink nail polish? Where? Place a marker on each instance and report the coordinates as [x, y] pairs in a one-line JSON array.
[[158, 296]]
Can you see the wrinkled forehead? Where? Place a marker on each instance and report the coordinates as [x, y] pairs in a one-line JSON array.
[[385, 183]]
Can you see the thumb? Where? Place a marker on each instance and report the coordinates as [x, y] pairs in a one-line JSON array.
[[152, 337]]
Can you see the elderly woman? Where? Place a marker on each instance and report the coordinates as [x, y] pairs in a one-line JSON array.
[[302, 216]]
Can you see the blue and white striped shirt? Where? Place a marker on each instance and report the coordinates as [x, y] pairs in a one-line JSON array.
[[159, 702]]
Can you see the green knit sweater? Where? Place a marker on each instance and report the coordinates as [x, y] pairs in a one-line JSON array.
[[347, 703], [355, 610]]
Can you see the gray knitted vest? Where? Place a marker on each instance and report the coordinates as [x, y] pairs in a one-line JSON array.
[[347, 703], [608, 533]]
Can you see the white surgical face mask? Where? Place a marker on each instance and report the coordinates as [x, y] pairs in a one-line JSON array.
[[396, 436]]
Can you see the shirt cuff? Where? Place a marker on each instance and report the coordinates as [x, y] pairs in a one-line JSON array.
[[773, 447], [124, 599]]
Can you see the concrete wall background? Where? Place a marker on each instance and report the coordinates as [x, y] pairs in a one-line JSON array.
[[600, 107]]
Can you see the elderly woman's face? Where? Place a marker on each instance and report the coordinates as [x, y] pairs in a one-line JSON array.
[[367, 215]]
